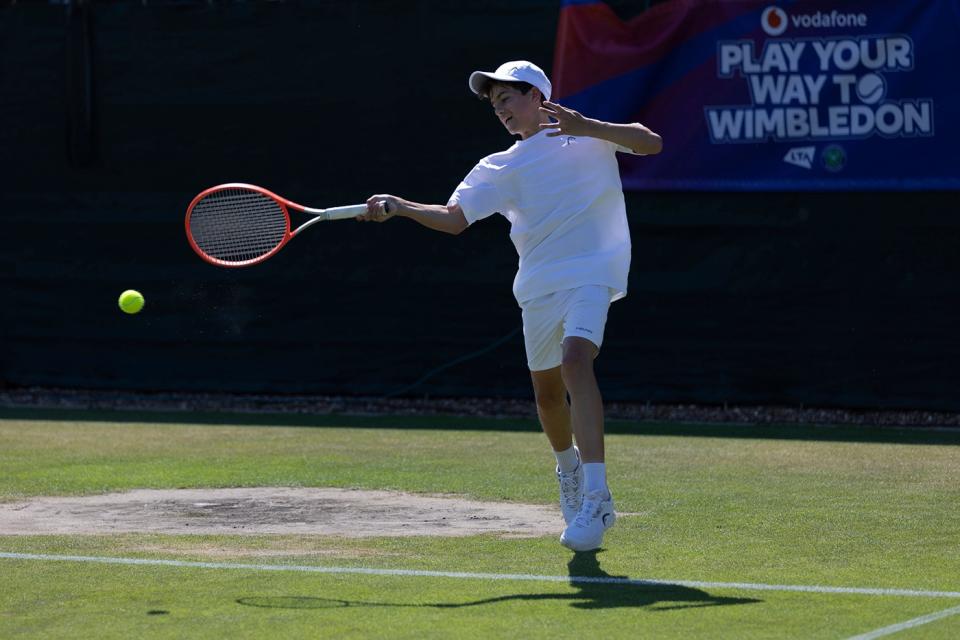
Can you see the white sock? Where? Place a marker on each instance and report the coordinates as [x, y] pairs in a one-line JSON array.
[[594, 477], [567, 460]]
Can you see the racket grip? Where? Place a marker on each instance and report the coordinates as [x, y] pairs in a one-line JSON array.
[[342, 213]]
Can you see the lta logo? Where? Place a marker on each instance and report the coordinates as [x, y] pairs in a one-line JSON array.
[[774, 21]]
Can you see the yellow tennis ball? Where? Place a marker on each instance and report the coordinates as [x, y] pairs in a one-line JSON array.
[[131, 301]]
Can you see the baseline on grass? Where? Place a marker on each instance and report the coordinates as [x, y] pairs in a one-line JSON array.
[[239, 225]]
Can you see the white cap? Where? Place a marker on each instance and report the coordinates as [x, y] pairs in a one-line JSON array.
[[513, 71]]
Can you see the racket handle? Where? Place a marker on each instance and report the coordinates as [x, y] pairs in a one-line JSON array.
[[342, 213]]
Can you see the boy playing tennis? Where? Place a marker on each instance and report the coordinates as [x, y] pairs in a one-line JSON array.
[[559, 186]]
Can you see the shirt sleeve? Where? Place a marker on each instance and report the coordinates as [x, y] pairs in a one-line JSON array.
[[478, 195]]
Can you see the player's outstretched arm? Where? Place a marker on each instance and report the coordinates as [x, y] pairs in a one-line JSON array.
[[449, 219], [568, 122]]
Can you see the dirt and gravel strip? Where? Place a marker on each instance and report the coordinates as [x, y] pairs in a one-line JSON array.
[[349, 513], [49, 398]]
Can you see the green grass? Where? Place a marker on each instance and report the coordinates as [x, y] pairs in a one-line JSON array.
[[867, 509]]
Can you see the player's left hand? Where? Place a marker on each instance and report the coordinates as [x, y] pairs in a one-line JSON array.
[[568, 122]]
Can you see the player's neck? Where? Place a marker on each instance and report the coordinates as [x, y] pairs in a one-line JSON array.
[[534, 128]]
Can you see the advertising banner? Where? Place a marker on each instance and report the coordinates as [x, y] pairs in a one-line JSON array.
[[749, 95]]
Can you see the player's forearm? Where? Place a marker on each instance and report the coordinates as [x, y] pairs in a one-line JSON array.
[[449, 219], [633, 136]]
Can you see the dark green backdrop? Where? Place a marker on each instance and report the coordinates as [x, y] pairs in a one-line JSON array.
[[115, 116]]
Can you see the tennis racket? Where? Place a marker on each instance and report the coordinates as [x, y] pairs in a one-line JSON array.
[[239, 225]]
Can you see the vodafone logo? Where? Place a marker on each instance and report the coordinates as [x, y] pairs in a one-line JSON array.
[[774, 21]]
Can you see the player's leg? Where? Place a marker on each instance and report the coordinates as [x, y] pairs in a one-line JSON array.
[[554, 413], [584, 325], [586, 404], [542, 333], [552, 407]]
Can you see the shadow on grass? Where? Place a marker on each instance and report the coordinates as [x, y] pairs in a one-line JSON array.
[[596, 589], [844, 433]]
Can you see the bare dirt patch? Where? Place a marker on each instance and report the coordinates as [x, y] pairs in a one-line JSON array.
[[333, 512]]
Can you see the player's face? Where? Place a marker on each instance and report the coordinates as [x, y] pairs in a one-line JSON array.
[[519, 113]]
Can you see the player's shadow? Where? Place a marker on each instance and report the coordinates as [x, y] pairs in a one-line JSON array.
[[596, 589]]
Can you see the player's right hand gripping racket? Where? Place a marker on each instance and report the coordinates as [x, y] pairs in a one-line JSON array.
[[239, 225]]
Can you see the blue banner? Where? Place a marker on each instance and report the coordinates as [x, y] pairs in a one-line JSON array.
[[749, 95]]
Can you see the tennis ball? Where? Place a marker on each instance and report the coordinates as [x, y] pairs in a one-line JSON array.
[[131, 301]]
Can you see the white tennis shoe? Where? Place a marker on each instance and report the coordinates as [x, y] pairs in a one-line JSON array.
[[596, 515], [571, 490]]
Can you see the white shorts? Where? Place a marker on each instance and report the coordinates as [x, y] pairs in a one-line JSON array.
[[548, 320]]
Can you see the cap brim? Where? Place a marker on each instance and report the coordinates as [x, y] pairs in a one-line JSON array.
[[480, 79]]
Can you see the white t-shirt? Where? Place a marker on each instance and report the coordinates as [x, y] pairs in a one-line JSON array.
[[564, 200]]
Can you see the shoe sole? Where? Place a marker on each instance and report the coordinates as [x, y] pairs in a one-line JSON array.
[[574, 547]]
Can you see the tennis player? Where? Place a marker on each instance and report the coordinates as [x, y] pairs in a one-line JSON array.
[[559, 186]]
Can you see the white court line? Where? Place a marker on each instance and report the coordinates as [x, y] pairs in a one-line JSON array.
[[744, 586], [908, 624]]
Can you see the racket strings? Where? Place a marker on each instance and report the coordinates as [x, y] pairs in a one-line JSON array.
[[236, 225]]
